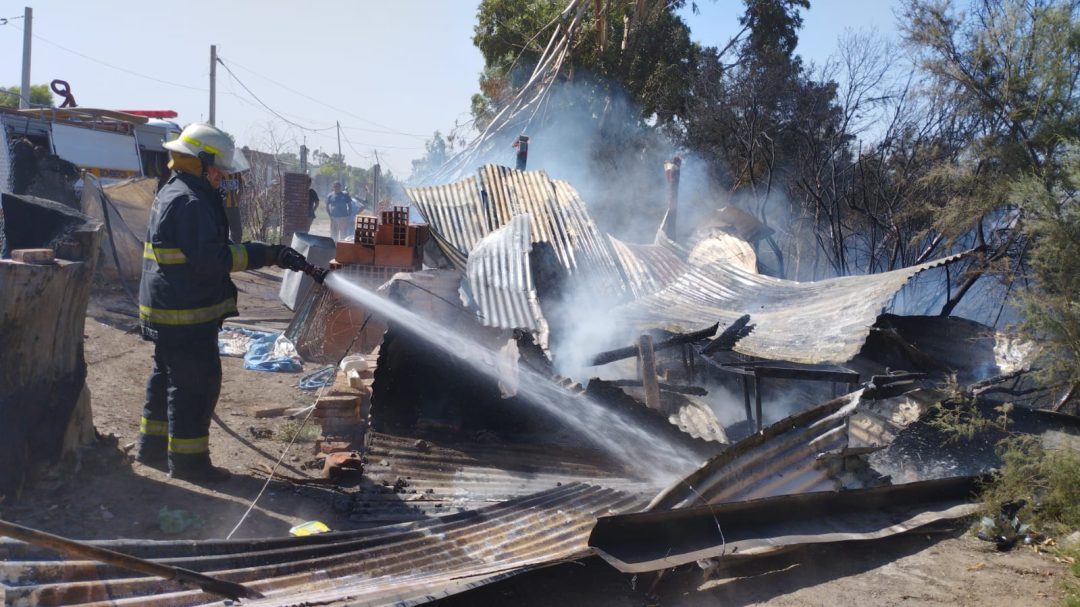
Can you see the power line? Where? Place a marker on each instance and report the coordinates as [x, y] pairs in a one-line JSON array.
[[268, 108], [118, 68], [389, 129]]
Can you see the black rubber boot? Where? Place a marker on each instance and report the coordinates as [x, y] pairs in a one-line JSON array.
[[196, 469], [152, 451]]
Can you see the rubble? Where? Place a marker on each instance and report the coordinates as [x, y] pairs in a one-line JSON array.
[[461, 483]]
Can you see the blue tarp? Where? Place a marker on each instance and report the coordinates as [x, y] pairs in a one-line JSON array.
[[266, 351]]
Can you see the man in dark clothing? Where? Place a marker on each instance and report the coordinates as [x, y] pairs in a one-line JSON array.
[[232, 189], [185, 295], [24, 166], [339, 206], [313, 204]]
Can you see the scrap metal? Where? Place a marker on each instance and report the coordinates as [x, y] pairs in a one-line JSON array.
[[664, 286], [652, 541], [815, 322], [500, 279], [404, 564]]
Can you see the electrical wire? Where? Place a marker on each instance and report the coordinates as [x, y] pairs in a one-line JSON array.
[[268, 108], [389, 129], [118, 68]]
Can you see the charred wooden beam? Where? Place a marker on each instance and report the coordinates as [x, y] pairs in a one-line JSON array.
[[731, 336], [635, 383], [647, 356], [611, 356]]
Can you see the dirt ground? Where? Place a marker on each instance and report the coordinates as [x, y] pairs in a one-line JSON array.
[[107, 495]]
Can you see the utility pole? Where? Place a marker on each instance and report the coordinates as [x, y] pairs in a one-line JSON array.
[[213, 82], [340, 157], [24, 94]]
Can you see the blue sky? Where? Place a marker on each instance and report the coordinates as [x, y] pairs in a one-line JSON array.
[[390, 72]]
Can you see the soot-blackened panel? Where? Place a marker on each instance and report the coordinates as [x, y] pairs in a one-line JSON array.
[[36, 223]]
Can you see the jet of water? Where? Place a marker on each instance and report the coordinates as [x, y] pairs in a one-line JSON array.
[[650, 456]]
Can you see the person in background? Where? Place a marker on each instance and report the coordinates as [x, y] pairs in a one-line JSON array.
[[184, 297], [231, 190], [313, 205], [339, 206]]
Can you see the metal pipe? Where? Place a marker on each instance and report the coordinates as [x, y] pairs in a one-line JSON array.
[[672, 170], [522, 146]]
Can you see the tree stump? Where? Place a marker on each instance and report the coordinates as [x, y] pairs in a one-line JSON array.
[[44, 402]]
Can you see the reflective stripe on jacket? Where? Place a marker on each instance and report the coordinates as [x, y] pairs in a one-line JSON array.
[[187, 259]]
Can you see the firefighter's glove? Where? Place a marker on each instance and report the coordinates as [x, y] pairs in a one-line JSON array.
[[288, 258]]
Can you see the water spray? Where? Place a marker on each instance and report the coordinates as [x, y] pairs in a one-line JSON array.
[[640, 452]]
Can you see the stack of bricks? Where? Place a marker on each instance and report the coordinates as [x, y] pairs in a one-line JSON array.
[[370, 260], [342, 411], [294, 208], [383, 248]]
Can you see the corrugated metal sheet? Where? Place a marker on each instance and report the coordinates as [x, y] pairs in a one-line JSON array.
[[403, 564], [677, 290], [815, 322], [462, 213], [500, 279], [444, 477], [647, 268], [781, 460], [652, 541]]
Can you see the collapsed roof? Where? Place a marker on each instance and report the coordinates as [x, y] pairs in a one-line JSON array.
[[660, 286]]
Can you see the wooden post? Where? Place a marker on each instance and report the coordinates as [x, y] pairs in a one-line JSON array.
[[746, 398], [757, 401], [648, 372]]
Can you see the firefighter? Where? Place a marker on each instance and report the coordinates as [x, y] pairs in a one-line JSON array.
[[184, 296]]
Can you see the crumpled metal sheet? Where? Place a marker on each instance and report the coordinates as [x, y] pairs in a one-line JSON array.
[[461, 214], [651, 541], [412, 478], [500, 279], [783, 459], [814, 322], [405, 564], [647, 268], [675, 289]]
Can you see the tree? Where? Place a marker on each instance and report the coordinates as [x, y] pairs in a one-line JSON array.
[[437, 153], [1052, 300], [648, 56], [1009, 70], [40, 96]]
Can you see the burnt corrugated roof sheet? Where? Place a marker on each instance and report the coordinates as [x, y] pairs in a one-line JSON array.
[[404, 564], [438, 478], [781, 460], [652, 541], [677, 290], [462, 213], [807, 322], [500, 279]]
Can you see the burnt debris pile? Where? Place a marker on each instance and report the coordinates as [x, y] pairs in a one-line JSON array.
[[536, 390]]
